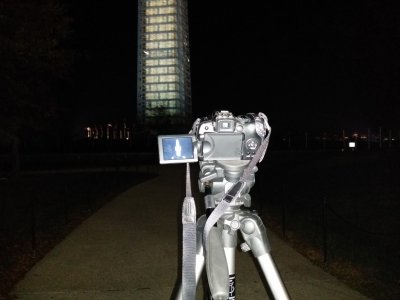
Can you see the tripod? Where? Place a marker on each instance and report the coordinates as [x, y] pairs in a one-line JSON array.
[[215, 179]]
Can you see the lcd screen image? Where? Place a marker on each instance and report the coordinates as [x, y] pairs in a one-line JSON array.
[[176, 149]]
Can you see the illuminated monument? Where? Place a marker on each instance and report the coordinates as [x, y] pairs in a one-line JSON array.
[[163, 73]]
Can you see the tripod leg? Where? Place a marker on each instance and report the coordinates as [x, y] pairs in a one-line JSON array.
[[229, 241], [255, 235], [274, 280], [199, 253], [217, 266]]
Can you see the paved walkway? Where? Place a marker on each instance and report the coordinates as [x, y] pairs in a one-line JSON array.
[[129, 250]]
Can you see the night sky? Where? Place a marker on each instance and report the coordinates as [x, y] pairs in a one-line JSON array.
[[306, 65]]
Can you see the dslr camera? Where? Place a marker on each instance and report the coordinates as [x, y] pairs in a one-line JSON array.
[[221, 137]]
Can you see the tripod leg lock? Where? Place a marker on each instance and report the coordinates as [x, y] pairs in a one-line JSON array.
[[244, 247]]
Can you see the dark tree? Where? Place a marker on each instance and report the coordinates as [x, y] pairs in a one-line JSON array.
[[35, 66]]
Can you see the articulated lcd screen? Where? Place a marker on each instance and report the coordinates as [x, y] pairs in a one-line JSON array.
[[175, 149]]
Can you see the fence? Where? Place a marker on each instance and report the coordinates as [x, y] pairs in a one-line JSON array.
[[369, 139], [337, 207], [328, 221]]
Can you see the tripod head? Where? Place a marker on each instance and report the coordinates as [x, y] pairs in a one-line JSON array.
[[216, 177]]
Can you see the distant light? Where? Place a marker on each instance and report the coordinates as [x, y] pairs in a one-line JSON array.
[[352, 144], [88, 132]]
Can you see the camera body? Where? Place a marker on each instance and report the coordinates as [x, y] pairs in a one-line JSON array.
[[226, 137], [224, 146], [223, 137]]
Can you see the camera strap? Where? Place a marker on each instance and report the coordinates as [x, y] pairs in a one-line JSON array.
[[188, 242]]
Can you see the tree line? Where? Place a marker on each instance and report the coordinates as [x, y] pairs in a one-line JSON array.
[[37, 62]]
